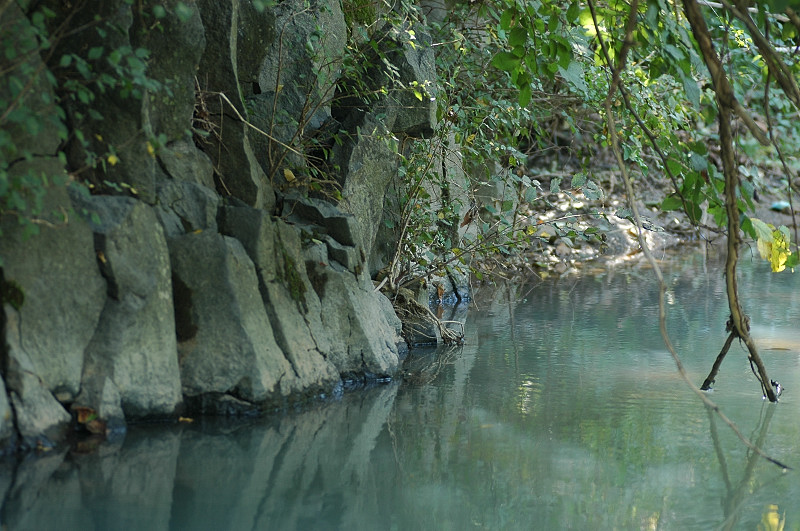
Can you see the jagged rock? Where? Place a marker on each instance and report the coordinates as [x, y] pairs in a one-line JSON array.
[[291, 303], [51, 290], [413, 73], [186, 207], [346, 255], [363, 342], [6, 422], [370, 162], [226, 344], [182, 161], [176, 43], [63, 294], [299, 72], [40, 419], [229, 145], [134, 344], [331, 220], [415, 63]]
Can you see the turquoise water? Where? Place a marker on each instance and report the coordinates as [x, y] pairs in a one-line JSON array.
[[562, 411]]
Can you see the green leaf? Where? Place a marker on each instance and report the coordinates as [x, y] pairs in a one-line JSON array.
[[518, 36], [95, 52], [525, 95], [573, 11], [762, 230], [592, 191], [697, 162], [506, 61], [185, 13], [575, 75], [578, 180], [505, 19], [671, 202]]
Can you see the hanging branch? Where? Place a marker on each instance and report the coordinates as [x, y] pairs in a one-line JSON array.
[[775, 64], [726, 105], [662, 286]]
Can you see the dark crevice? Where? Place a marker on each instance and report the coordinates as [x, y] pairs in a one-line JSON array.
[[185, 327]]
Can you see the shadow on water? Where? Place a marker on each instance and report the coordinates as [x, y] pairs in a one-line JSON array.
[[562, 411]]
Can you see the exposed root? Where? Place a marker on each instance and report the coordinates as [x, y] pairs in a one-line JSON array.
[[417, 317]]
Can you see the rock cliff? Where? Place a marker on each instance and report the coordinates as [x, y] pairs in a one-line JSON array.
[[214, 267]]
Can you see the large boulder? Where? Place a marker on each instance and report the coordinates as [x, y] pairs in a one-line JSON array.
[[182, 161], [291, 303], [226, 344], [229, 143], [40, 419], [133, 354]]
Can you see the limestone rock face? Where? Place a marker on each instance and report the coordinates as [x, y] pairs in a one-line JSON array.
[[230, 147], [363, 341], [186, 207], [226, 344], [56, 272], [292, 305], [167, 282], [134, 345], [297, 78]]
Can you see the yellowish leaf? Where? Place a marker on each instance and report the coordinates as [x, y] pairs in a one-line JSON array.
[[113, 159], [151, 150], [288, 175]]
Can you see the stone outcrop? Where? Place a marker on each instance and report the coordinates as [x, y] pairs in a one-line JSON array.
[[132, 352], [203, 273], [226, 345]]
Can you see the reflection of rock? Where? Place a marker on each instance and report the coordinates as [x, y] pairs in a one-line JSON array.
[[131, 486], [257, 470], [44, 491]]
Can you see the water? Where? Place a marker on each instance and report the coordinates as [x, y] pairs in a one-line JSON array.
[[562, 411]]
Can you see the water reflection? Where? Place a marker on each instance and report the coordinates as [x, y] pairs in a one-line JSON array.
[[562, 411]]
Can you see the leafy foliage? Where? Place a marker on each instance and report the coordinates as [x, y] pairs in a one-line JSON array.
[[40, 80]]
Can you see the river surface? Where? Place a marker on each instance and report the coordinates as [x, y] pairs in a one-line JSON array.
[[563, 410]]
